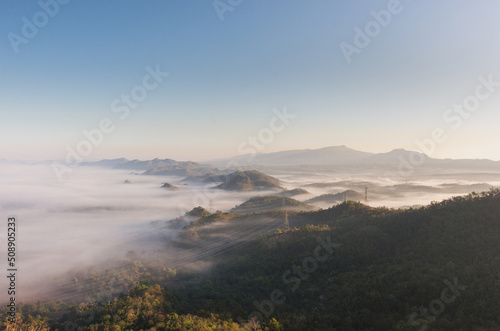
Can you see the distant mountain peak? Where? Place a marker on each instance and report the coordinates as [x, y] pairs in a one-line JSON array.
[[331, 155], [402, 151], [338, 148]]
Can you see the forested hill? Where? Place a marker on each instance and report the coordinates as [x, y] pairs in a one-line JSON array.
[[350, 267]]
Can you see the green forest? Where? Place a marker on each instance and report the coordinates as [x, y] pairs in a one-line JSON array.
[[349, 267]]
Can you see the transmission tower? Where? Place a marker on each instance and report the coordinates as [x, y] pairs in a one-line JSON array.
[[286, 224]]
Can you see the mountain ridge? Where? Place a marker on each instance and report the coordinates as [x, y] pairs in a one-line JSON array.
[[336, 156]]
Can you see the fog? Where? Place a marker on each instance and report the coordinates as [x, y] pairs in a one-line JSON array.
[[386, 189], [91, 217], [94, 217]]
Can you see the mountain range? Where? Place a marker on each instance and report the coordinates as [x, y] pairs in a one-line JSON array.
[[395, 163], [339, 155], [334, 156], [158, 167]]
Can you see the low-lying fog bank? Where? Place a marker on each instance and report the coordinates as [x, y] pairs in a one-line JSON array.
[[98, 214]]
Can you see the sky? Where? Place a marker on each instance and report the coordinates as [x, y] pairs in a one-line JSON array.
[[210, 75]]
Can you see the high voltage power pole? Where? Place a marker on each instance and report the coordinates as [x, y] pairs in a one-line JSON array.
[[286, 224]]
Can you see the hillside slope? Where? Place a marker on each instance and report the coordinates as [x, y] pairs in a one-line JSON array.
[[270, 202], [250, 180]]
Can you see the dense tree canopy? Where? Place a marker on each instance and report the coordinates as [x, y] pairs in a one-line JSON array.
[[350, 267]]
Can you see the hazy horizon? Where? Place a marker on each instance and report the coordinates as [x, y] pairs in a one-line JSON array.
[[231, 156]]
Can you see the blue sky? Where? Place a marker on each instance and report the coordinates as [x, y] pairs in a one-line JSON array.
[[227, 76]]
